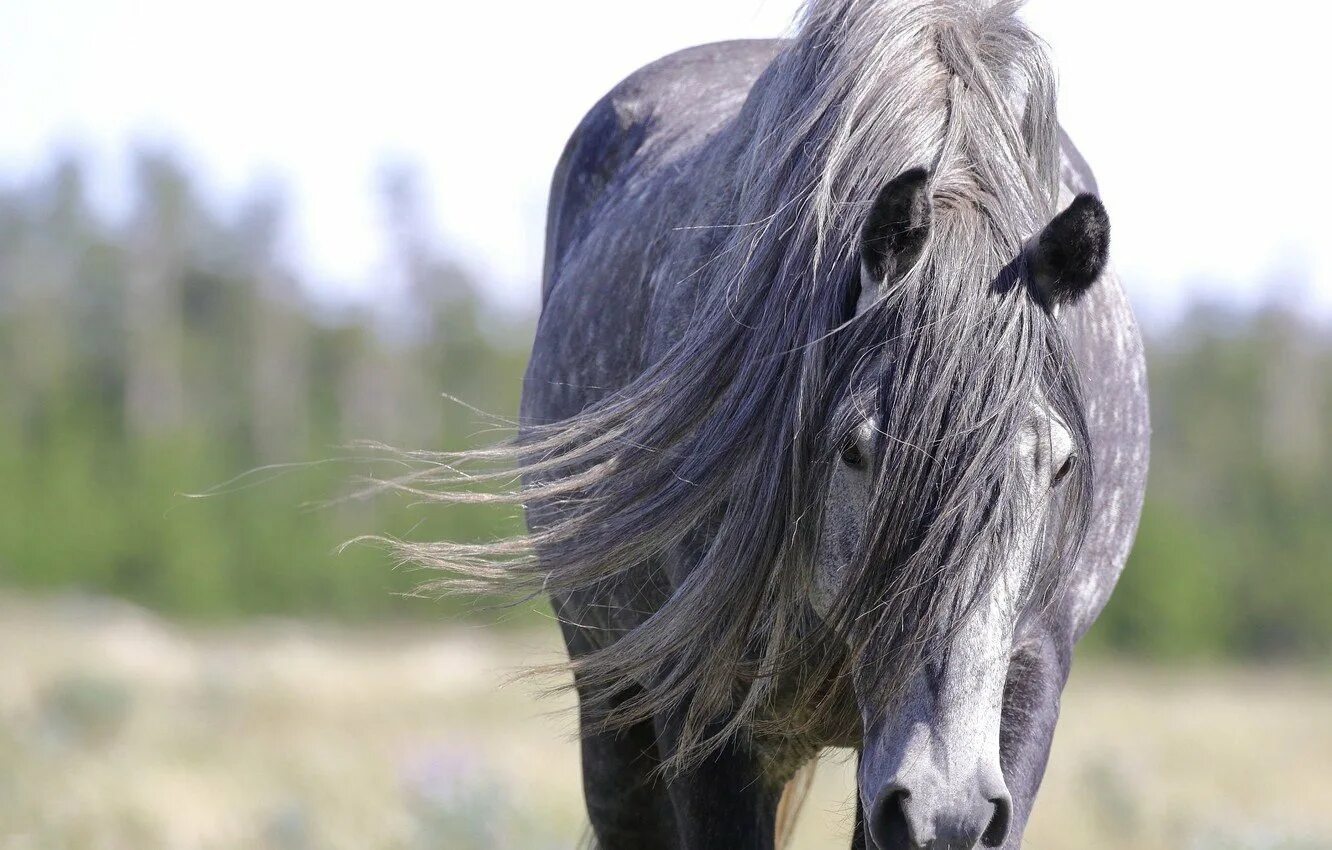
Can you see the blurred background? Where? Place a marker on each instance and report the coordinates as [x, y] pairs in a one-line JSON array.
[[235, 239]]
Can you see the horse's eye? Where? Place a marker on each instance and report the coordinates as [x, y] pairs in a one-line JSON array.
[[1064, 469], [851, 454]]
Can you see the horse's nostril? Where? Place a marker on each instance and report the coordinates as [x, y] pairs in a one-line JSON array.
[[888, 822], [899, 821], [997, 831]]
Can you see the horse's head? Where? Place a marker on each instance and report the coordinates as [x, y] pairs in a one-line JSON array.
[[952, 481]]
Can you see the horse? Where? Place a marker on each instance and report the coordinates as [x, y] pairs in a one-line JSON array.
[[834, 432]]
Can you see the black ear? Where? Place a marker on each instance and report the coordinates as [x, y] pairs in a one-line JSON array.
[[1070, 254], [895, 230]]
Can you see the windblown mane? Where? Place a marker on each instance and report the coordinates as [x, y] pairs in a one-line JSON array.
[[728, 438]]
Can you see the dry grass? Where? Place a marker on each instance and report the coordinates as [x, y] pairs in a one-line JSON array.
[[119, 731]]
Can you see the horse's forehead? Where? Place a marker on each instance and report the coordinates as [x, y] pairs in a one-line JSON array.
[[1041, 415]]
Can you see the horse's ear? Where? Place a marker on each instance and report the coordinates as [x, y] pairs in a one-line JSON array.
[[1070, 253], [894, 232]]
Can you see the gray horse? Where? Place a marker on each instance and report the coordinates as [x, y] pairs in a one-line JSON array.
[[834, 432]]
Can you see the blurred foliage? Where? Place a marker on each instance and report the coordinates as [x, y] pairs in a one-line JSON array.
[[1234, 553], [167, 350]]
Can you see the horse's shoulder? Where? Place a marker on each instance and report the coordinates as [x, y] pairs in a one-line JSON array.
[[1104, 339], [662, 108]]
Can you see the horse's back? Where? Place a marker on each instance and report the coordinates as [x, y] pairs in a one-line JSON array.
[[654, 116], [618, 192]]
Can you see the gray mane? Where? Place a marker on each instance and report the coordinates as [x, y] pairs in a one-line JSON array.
[[722, 446]]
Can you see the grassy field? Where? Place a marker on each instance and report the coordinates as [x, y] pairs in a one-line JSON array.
[[123, 732]]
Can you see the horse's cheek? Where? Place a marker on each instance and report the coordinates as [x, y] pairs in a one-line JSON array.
[[837, 546]]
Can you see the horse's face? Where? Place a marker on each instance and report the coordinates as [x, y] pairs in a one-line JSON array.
[[930, 773], [930, 764]]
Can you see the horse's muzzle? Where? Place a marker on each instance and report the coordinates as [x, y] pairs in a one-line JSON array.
[[930, 775], [934, 817]]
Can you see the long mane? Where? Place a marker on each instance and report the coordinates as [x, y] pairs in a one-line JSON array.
[[725, 443]]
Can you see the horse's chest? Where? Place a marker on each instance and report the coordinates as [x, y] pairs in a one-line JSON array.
[[790, 734]]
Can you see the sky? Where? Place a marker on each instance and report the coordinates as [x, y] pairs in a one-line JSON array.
[[1207, 128]]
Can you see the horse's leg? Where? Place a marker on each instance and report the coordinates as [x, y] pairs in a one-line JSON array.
[[627, 803], [1031, 708], [724, 801]]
